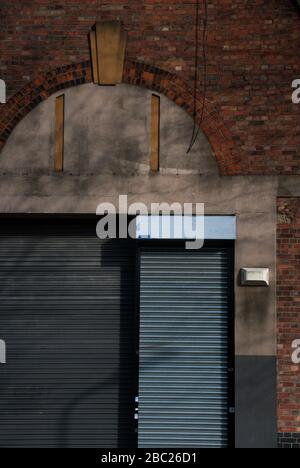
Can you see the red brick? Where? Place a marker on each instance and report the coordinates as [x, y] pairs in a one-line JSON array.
[[288, 314]]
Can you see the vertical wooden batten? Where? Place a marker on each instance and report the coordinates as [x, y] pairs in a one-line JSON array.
[[93, 46], [59, 133], [155, 133], [108, 45], [121, 55]]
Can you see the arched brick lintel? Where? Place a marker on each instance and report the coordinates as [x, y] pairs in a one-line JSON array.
[[135, 73]]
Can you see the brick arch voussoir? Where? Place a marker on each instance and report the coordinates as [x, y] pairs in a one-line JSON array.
[[136, 74]]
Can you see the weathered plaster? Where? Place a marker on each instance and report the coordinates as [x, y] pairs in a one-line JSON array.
[[107, 131]]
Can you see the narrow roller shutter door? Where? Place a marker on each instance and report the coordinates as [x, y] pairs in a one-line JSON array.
[[67, 317], [184, 344]]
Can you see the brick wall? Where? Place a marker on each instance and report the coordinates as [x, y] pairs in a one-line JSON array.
[[252, 48], [288, 309]]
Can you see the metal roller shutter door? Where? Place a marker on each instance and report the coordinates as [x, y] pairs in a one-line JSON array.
[[184, 347], [67, 305]]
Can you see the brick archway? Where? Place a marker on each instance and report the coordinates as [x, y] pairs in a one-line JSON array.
[[135, 73]]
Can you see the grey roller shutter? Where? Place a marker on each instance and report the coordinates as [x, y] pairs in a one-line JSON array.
[[184, 347], [67, 311]]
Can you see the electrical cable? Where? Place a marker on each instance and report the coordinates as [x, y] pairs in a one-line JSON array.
[[196, 130], [99, 5]]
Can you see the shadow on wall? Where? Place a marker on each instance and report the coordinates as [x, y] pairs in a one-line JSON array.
[[121, 379], [107, 132]]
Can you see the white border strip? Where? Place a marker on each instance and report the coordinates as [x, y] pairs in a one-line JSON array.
[[215, 227]]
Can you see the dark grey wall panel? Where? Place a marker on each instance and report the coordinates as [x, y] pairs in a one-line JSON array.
[[256, 412], [67, 307], [184, 347]]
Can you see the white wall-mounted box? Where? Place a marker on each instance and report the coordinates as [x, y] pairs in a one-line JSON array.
[[255, 277]]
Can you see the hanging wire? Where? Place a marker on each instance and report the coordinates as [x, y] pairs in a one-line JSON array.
[[98, 9], [196, 128]]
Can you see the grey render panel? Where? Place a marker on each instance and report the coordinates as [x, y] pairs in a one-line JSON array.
[[256, 402]]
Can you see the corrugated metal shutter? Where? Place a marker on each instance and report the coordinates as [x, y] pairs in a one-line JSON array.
[[184, 322], [67, 311]]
